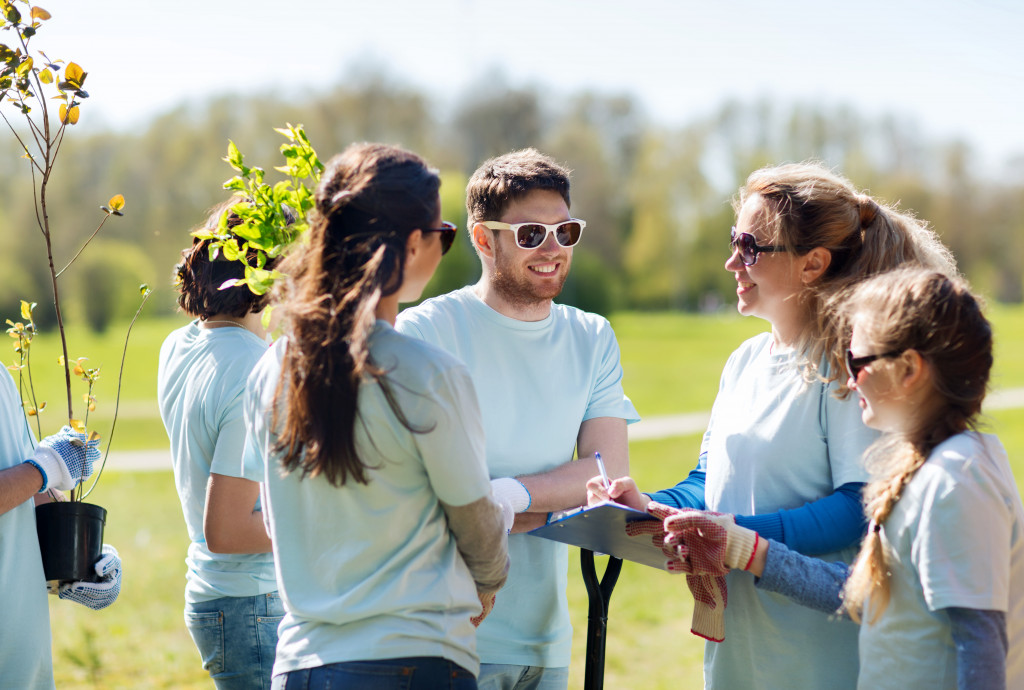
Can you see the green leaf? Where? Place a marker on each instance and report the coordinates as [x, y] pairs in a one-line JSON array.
[[234, 157]]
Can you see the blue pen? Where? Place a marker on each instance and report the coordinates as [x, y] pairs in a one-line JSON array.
[[601, 469]]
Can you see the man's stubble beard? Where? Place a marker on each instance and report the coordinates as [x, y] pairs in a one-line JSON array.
[[518, 290]]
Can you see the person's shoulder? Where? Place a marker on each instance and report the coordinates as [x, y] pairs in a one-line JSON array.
[[751, 348], [448, 304], [573, 317], [411, 357]]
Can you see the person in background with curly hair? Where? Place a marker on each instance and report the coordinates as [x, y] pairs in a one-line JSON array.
[[231, 603]]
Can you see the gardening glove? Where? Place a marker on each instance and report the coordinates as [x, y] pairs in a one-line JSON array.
[[65, 459], [487, 601], [709, 545], [714, 542], [674, 554], [512, 496], [97, 595]]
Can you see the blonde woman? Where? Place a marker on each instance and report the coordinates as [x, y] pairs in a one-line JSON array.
[[782, 450]]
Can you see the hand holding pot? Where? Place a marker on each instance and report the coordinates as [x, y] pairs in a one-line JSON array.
[[97, 595], [65, 459]]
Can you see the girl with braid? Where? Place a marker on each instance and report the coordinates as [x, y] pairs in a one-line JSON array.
[[938, 586], [387, 543], [783, 448]]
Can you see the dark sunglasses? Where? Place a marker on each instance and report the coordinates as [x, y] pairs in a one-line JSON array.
[[448, 231], [854, 365], [748, 247], [533, 235]]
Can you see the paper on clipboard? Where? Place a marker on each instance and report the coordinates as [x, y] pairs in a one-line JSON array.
[[602, 529]]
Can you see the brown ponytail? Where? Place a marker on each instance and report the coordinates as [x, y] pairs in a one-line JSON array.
[[369, 199]]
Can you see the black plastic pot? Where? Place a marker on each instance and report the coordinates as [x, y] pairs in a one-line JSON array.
[[70, 539]]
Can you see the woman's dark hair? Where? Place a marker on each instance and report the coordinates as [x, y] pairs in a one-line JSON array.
[[198, 279], [370, 198]]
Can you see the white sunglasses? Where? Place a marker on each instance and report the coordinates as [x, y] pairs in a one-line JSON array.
[[532, 235]]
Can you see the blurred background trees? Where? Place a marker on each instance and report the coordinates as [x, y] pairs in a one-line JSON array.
[[656, 197]]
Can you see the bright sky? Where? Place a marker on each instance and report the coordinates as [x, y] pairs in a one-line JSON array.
[[955, 67]]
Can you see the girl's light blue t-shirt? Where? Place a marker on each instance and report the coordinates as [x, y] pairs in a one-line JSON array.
[[25, 624], [371, 571], [954, 539], [200, 387]]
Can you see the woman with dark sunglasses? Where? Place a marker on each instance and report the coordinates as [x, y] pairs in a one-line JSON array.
[[387, 542], [782, 451]]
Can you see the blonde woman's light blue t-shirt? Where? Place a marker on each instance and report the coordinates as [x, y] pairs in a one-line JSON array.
[[775, 442], [200, 387], [25, 624], [371, 571], [538, 381]]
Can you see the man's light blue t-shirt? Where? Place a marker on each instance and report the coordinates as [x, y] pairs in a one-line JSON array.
[[537, 383], [200, 386], [954, 539], [371, 571], [25, 625], [776, 441]]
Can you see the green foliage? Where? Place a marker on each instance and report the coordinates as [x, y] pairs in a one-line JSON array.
[[26, 85], [271, 216]]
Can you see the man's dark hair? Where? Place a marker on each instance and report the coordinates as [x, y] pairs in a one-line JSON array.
[[501, 181]]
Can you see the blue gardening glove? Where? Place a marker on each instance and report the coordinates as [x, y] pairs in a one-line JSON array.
[[97, 595], [65, 459]]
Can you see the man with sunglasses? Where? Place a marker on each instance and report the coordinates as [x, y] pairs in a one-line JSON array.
[[549, 382]]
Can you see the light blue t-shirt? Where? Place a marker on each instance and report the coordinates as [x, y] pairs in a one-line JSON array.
[[537, 382], [954, 539], [25, 624], [200, 386], [775, 442], [371, 571]]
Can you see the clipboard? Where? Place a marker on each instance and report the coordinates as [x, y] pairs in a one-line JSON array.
[[602, 529]]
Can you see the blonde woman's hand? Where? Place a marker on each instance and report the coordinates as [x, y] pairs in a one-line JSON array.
[[622, 490]]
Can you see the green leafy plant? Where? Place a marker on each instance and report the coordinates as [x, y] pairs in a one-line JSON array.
[[26, 79], [273, 216]]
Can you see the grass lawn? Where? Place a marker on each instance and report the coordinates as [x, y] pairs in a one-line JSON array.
[[672, 364]]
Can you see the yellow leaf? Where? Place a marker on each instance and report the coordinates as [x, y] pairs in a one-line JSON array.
[[74, 73], [77, 425], [46, 76], [78, 370], [94, 435], [26, 310], [31, 412], [60, 361], [86, 397], [63, 112], [42, 407], [92, 407], [40, 13], [116, 202]]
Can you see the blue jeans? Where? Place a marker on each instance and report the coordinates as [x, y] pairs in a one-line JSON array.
[[513, 677], [411, 673], [237, 638]]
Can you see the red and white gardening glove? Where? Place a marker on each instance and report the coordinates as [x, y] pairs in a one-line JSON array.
[[674, 554], [715, 544]]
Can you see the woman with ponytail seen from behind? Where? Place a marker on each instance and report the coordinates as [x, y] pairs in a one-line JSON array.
[[387, 543], [782, 450], [938, 586]]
